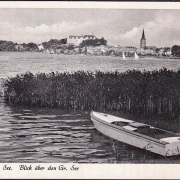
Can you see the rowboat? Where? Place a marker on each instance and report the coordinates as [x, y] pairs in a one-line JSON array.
[[137, 134]]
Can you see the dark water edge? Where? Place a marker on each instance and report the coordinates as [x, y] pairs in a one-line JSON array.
[[44, 135]]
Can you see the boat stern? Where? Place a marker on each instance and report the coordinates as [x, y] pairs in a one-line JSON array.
[[172, 146]]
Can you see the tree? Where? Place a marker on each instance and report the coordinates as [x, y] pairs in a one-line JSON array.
[[31, 46], [54, 43], [93, 42], [176, 50], [103, 41], [7, 46]]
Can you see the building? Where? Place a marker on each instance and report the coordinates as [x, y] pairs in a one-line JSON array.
[[40, 47], [76, 40], [151, 48], [19, 47], [165, 51], [168, 52], [128, 49], [146, 50], [143, 41]]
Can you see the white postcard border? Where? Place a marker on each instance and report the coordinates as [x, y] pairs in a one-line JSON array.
[[92, 171]]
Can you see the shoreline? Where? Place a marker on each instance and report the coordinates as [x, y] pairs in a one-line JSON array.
[[113, 56]]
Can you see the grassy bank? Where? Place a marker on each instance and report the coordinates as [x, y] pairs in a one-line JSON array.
[[147, 94]]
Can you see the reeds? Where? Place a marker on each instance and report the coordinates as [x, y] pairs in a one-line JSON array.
[[148, 93]]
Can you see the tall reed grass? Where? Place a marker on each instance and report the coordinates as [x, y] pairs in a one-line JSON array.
[[147, 93]]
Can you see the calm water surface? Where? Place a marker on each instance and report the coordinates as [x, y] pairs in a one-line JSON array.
[[55, 135]]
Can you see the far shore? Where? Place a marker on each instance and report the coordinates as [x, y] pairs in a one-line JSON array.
[[144, 57]]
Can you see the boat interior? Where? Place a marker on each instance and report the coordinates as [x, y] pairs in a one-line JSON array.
[[145, 129]]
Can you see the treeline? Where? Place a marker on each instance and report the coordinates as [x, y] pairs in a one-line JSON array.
[[7, 46], [147, 93], [93, 42], [11, 46], [28, 47], [54, 43]]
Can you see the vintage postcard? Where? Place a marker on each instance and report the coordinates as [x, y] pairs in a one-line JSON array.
[[89, 90]]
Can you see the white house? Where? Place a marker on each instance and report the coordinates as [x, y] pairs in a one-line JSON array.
[[168, 52], [76, 40], [40, 47]]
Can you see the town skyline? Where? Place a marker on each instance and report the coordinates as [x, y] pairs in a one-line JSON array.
[[119, 27]]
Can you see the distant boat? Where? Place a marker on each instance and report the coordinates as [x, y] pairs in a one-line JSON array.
[[125, 58], [137, 134], [136, 56]]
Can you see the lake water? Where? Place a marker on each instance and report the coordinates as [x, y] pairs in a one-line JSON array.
[[55, 135]]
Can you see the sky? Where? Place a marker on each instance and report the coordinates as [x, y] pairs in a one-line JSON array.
[[118, 26]]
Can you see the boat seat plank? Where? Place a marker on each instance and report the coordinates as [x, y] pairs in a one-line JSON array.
[[138, 125], [129, 128]]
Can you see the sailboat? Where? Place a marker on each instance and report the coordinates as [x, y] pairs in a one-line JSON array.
[[135, 55], [124, 57]]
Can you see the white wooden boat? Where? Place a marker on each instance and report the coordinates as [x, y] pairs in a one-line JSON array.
[[140, 135]]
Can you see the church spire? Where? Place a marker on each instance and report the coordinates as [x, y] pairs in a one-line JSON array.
[[143, 41], [143, 35]]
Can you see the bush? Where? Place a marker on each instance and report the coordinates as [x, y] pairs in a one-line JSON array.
[[148, 93], [93, 42]]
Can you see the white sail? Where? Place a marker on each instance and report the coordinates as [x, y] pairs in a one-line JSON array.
[[124, 57], [136, 56]]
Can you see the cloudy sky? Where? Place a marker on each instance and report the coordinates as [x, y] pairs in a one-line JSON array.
[[119, 27]]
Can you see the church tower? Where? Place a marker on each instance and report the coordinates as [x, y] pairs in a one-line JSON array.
[[143, 41]]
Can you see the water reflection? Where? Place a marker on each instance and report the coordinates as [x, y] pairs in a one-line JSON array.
[[53, 135], [46, 135]]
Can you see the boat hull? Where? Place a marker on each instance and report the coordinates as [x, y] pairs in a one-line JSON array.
[[135, 139]]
